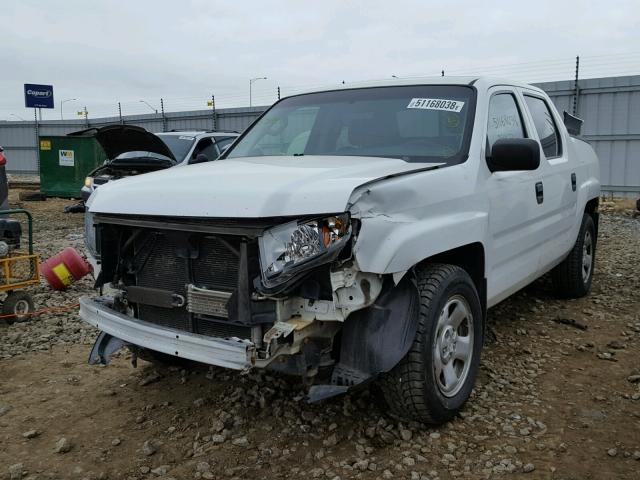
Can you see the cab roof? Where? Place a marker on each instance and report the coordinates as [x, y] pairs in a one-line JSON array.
[[195, 133], [482, 83]]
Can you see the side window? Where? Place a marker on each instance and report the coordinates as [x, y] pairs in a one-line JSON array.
[[207, 148], [505, 120], [545, 126]]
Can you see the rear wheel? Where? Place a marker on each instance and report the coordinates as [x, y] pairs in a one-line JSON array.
[[573, 277], [434, 380], [17, 304]]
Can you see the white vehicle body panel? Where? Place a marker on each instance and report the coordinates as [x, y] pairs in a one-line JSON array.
[[408, 212], [249, 187]]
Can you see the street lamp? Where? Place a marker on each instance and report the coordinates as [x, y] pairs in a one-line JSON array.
[[251, 86], [17, 116], [150, 106], [62, 103]]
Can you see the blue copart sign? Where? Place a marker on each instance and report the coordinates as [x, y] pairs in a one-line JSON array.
[[38, 96]]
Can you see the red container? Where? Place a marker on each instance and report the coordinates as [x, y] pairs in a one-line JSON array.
[[63, 269]]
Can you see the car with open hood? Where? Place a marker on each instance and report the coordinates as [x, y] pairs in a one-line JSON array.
[[132, 150], [351, 235]]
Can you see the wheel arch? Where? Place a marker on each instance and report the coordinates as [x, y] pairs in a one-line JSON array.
[[472, 259], [374, 340], [592, 208]]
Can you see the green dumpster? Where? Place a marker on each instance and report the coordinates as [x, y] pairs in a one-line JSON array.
[[65, 161]]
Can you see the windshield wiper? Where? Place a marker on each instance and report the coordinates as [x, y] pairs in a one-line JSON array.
[[298, 154]]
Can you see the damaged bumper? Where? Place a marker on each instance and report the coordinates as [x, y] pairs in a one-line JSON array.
[[228, 353]]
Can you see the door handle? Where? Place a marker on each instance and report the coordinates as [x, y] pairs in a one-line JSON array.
[[539, 192]]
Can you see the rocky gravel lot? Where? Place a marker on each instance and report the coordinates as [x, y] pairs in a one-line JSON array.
[[558, 396]]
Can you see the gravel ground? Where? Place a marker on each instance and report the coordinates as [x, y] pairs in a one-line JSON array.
[[552, 400]]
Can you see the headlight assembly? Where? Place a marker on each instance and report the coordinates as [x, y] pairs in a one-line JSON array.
[[289, 248]]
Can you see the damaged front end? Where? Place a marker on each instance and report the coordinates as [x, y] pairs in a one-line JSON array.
[[274, 293]]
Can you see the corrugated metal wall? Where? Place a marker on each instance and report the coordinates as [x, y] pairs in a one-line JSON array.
[[19, 138], [609, 106]]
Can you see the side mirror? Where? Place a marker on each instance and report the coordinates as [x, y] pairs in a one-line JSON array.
[[512, 154], [200, 158]]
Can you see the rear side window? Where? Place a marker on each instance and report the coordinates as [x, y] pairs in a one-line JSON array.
[[505, 120], [545, 126]]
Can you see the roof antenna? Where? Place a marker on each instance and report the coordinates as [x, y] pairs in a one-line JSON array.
[[443, 73]]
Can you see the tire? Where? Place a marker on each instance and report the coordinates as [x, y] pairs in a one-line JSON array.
[[573, 277], [19, 304], [417, 389]]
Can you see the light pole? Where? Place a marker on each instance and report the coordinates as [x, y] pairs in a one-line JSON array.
[[251, 87], [62, 104], [149, 105], [17, 116]]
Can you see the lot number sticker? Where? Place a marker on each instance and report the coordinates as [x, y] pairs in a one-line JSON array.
[[436, 104], [66, 158]]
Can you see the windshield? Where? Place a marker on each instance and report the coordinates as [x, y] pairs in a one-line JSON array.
[[412, 123], [138, 155], [178, 144]]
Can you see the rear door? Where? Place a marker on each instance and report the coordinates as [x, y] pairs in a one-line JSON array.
[[516, 213], [558, 178]]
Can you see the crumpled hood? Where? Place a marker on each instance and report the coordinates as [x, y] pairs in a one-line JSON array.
[[252, 187]]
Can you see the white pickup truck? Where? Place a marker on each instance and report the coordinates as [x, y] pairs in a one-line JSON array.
[[349, 236]]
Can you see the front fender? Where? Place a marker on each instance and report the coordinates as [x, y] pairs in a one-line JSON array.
[[408, 219], [388, 245]]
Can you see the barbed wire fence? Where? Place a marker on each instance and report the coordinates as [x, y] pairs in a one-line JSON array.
[[574, 86], [534, 71]]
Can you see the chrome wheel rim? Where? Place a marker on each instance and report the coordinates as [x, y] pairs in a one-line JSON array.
[[21, 308], [587, 256], [453, 349]]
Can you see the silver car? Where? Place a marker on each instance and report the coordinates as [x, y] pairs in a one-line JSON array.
[[132, 151]]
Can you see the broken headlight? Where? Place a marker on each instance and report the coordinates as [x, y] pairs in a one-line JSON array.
[[294, 246]]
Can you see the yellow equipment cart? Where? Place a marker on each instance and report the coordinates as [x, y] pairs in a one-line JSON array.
[[19, 269]]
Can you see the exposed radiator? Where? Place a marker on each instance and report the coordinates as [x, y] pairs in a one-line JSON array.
[[207, 282]]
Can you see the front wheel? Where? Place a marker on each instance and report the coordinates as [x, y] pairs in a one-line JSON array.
[[434, 380], [573, 277]]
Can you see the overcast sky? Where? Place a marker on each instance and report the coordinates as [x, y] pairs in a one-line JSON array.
[[103, 52]]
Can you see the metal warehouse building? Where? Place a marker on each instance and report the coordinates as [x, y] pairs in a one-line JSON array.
[[609, 106]]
